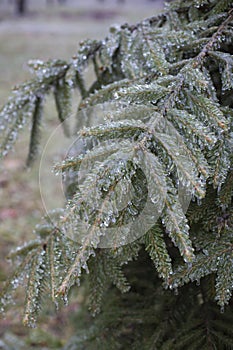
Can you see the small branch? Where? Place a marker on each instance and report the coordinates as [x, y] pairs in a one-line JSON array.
[[80, 84], [197, 61], [208, 47]]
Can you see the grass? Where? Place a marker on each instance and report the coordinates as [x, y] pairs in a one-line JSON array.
[[44, 33]]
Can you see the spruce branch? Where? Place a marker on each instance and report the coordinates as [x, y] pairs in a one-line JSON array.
[[213, 41], [35, 131], [158, 116]]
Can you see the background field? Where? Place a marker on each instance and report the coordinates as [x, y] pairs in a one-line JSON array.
[[45, 32]]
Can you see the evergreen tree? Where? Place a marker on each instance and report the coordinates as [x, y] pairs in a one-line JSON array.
[[147, 227]]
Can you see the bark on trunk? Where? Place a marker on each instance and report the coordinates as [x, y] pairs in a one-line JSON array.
[[20, 7]]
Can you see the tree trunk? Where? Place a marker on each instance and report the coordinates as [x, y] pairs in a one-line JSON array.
[[20, 7]]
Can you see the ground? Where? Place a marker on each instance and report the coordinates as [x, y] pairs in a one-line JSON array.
[[45, 32]]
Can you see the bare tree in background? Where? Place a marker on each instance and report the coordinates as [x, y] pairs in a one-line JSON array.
[[20, 7]]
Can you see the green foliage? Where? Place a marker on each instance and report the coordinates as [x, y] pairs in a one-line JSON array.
[[151, 172], [148, 317]]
